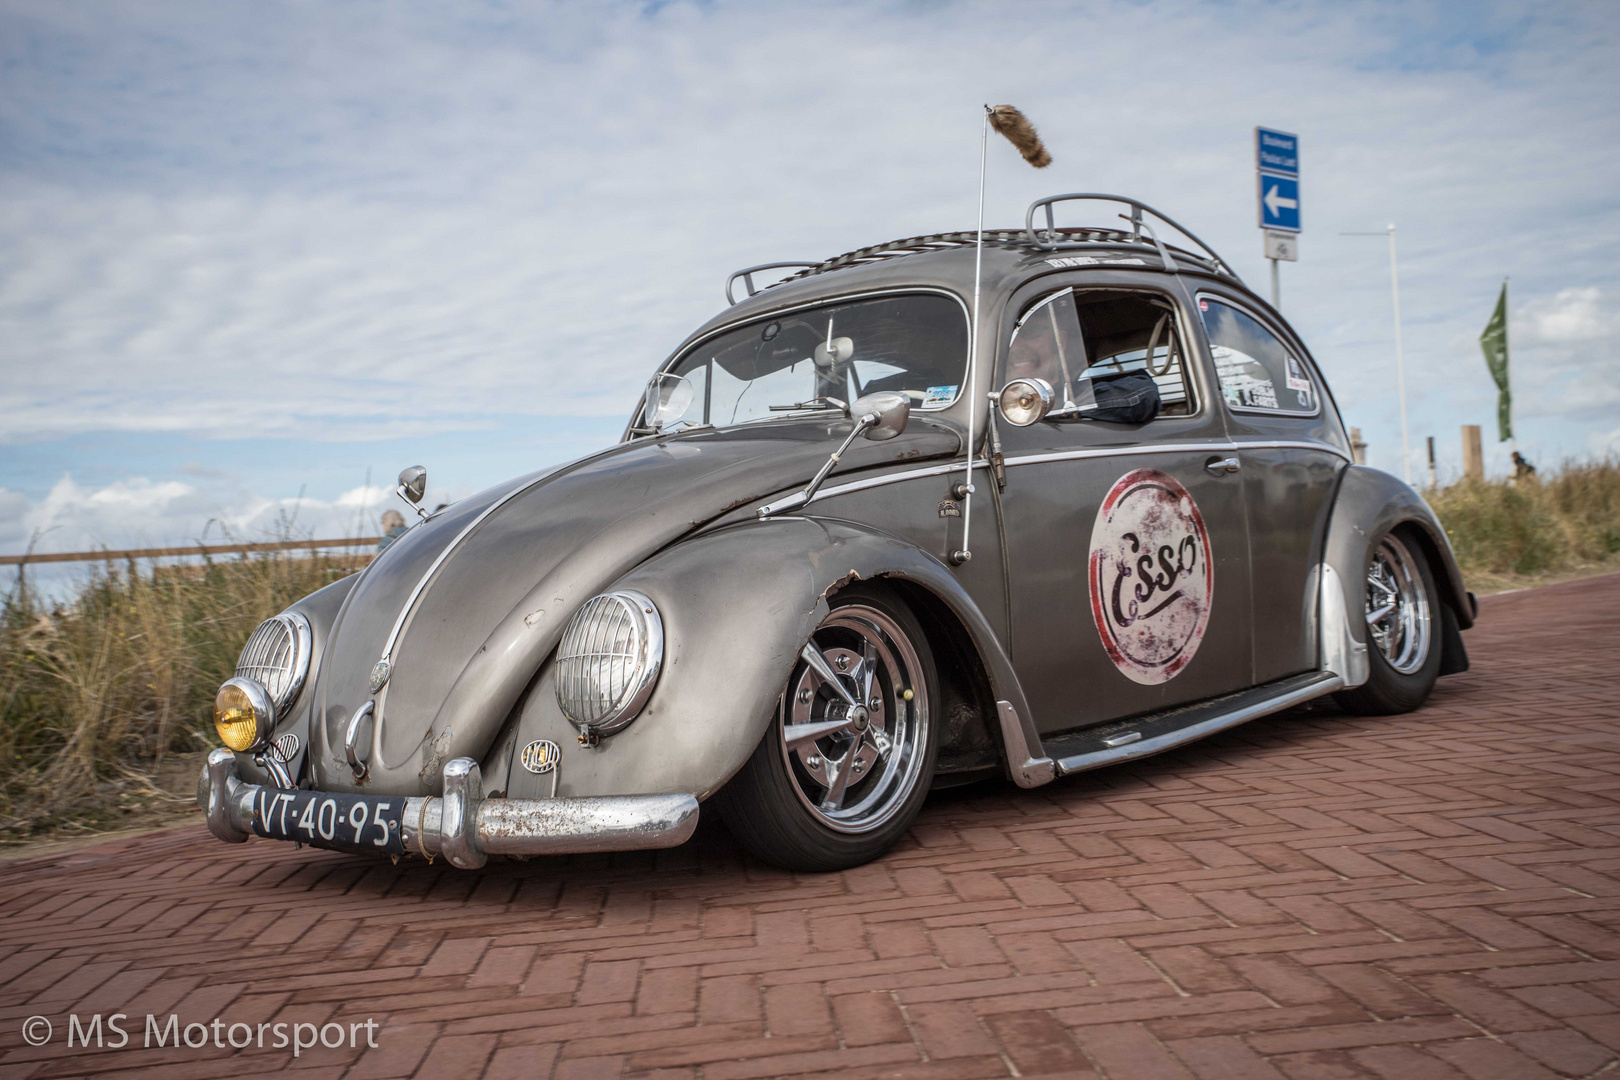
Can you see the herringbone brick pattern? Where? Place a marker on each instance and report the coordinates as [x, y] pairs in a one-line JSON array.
[[1428, 896]]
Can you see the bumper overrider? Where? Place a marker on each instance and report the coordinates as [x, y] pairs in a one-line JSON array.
[[461, 825]]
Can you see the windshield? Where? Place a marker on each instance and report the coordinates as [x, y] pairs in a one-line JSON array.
[[916, 345]]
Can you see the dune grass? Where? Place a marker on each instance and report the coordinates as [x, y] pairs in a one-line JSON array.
[[1510, 534], [106, 698]]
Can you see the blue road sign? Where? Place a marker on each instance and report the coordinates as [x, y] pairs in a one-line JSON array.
[[1279, 203], [1276, 152]]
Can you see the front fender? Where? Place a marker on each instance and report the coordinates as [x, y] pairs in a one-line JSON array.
[[737, 604]]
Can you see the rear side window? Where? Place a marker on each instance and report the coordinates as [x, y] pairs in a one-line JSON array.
[[1257, 371]]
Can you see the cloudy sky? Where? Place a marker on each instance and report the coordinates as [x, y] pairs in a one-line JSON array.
[[253, 253]]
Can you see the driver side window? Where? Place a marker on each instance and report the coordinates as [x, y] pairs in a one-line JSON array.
[[1076, 340]]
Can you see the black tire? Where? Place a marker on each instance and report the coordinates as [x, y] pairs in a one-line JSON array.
[[768, 807], [1403, 682]]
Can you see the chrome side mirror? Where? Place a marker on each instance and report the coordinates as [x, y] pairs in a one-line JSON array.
[[891, 412], [413, 483], [1025, 401], [412, 486], [878, 416]]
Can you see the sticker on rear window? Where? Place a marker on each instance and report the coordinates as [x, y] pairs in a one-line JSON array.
[[939, 395], [1297, 379]]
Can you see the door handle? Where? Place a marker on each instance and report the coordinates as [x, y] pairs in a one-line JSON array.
[[1222, 465]]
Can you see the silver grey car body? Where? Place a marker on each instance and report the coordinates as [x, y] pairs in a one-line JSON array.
[[467, 608]]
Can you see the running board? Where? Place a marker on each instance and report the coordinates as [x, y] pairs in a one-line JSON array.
[[1127, 740]]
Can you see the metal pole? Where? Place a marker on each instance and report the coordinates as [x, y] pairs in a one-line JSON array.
[[962, 556], [1276, 288], [1400, 359]]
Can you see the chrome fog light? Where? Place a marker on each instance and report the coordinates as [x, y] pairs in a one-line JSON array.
[[608, 661], [244, 715], [1025, 401]]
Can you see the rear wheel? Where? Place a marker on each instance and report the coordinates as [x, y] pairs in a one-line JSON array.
[[1403, 641], [847, 760]]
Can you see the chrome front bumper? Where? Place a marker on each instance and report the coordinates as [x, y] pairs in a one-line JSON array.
[[466, 828]]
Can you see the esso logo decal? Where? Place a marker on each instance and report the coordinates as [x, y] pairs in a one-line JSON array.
[[1152, 579]]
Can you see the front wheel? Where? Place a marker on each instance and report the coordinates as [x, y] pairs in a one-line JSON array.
[[847, 760], [1403, 641]]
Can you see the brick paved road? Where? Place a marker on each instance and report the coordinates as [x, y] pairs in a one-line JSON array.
[[1420, 897]]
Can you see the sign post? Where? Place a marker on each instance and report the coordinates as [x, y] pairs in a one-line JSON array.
[[1276, 159]]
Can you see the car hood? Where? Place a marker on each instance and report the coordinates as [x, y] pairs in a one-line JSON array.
[[469, 603]]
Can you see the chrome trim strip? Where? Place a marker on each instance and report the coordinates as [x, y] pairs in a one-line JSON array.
[[1206, 446], [796, 499], [1326, 683], [1292, 444], [449, 549], [1209, 446], [792, 502]]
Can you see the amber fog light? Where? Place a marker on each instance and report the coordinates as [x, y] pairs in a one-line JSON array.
[[243, 715]]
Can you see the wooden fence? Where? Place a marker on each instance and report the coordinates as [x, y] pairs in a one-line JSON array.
[[195, 549]]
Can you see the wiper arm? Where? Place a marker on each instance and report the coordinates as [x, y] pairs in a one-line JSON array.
[[813, 403]]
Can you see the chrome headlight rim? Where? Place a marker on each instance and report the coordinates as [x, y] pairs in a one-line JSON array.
[[300, 637], [264, 713], [575, 649]]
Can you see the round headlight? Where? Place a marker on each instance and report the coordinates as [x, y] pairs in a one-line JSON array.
[[608, 661], [1024, 401], [244, 715]]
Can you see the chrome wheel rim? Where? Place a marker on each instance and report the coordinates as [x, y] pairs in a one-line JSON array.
[[853, 725], [1398, 618]]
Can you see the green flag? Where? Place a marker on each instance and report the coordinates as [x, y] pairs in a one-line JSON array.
[[1495, 343]]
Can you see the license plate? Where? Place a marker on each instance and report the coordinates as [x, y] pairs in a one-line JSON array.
[[331, 820]]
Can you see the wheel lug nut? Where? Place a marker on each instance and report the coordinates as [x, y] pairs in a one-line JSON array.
[[805, 695], [875, 703]]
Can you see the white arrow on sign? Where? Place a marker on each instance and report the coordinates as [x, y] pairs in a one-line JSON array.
[[1274, 201]]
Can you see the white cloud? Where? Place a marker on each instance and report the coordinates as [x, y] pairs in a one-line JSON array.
[[1569, 316], [339, 223]]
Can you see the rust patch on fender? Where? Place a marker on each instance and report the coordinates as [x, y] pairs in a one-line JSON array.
[[434, 756], [848, 579]]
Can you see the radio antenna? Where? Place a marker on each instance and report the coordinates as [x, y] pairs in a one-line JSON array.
[[1017, 129]]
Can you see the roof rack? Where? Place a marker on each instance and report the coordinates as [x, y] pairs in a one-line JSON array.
[[747, 274], [1051, 241], [1052, 238]]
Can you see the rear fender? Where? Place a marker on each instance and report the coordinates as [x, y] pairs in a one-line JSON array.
[[1369, 504], [737, 605]]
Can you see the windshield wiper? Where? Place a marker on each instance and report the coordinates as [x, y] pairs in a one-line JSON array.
[[813, 403]]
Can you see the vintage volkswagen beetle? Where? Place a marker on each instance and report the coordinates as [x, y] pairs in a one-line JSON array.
[[779, 592]]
